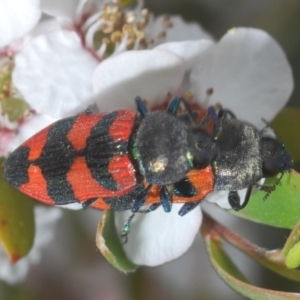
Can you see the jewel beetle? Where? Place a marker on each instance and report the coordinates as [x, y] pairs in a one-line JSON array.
[[124, 160], [117, 160], [245, 156]]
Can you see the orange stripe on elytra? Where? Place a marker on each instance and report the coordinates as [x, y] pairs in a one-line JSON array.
[[36, 187], [121, 128], [153, 196], [36, 143], [122, 171], [81, 129], [202, 180], [100, 204], [86, 187]]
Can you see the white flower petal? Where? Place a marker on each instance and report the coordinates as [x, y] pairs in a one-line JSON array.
[[182, 31], [44, 27], [150, 74], [6, 138], [12, 273], [189, 51], [6, 123], [30, 127], [53, 72], [45, 219], [61, 9], [17, 18], [72, 206], [221, 198], [249, 73], [174, 29], [158, 237], [69, 11]]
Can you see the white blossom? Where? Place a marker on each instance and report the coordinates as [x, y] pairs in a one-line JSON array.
[[246, 71]]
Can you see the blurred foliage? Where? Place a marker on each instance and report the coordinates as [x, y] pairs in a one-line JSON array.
[[16, 221], [281, 208], [286, 124], [110, 246]]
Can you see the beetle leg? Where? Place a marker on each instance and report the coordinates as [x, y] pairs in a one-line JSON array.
[[211, 113], [247, 197], [142, 109], [152, 207], [224, 112], [187, 207], [165, 198], [174, 106], [139, 203], [88, 203], [234, 199], [165, 201], [126, 229], [88, 111]]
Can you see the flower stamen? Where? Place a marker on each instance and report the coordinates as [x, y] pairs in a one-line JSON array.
[[117, 27]]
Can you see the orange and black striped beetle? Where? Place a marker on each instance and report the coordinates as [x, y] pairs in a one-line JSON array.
[[124, 160]]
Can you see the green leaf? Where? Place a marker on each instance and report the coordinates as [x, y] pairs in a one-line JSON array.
[[232, 276], [5, 80], [273, 259], [16, 221], [14, 108], [110, 246], [223, 261], [281, 208], [293, 257], [291, 249], [126, 3], [285, 123]]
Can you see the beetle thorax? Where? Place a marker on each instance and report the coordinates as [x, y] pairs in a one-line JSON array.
[[162, 148]]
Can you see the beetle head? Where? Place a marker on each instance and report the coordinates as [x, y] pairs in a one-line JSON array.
[[275, 159]]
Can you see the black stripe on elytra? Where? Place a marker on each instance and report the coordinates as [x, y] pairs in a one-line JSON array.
[[16, 167], [125, 201], [100, 149], [56, 160], [184, 188]]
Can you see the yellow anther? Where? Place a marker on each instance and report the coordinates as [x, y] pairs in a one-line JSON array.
[[116, 37]]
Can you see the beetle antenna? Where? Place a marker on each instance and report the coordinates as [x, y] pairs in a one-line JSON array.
[[273, 187], [269, 188], [189, 110]]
